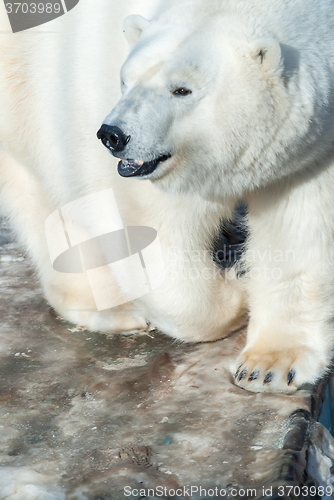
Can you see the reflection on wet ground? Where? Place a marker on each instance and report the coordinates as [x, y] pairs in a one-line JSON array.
[[84, 415]]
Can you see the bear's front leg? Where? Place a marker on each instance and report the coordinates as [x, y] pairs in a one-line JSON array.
[[289, 280]]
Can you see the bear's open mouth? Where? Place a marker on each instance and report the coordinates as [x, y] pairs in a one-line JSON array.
[[137, 168]]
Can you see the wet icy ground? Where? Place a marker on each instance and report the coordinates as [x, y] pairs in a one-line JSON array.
[[83, 415]]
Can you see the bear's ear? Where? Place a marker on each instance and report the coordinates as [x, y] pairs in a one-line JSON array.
[[133, 27], [267, 51]]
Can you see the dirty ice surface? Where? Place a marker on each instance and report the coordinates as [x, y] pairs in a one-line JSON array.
[[83, 415]]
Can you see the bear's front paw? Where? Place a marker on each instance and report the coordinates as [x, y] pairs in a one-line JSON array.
[[278, 370]]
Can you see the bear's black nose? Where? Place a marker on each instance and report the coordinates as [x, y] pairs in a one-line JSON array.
[[113, 138]]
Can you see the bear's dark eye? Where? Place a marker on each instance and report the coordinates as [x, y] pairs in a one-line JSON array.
[[182, 91]]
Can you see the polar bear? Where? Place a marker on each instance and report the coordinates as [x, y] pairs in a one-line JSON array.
[[234, 100], [57, 82]]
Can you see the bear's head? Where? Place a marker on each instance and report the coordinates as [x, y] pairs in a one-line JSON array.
[[209, 105]]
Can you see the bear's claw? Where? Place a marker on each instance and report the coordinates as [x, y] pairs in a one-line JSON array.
[[254, 375], [291, 376], [268, 378], [242, 375]]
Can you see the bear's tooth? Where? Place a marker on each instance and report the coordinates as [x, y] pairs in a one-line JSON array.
[[140, 162]]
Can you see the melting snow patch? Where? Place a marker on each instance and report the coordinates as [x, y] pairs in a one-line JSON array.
[[18, 483]]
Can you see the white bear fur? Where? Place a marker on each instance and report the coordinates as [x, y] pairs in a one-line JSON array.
[[57, 82], [259, 126]]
